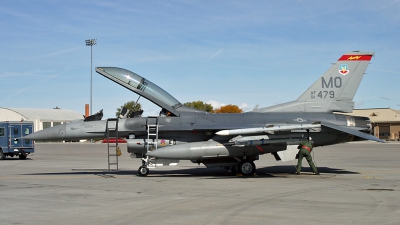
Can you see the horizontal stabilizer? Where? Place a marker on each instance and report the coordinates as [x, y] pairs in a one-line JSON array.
[[353, 132]]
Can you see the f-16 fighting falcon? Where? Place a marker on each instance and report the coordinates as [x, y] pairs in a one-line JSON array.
[[231, 141]]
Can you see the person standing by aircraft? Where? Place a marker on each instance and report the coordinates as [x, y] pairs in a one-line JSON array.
[[305, 151]]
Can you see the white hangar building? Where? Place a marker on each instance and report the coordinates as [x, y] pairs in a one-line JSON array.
[[42, 118]]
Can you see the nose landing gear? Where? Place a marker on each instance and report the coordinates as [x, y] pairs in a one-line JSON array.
[[143, 171]]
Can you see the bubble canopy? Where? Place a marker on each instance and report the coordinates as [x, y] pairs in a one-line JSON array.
[[141, 86]]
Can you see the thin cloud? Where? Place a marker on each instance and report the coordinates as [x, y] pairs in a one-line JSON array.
[[56, 53], [48, 55], [29, 88], [358, 104], [245, 107], [388, 71], [215, 54], [26, 74], [215, 104]]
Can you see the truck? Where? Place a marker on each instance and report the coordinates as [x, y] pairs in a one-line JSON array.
[[12, 141]]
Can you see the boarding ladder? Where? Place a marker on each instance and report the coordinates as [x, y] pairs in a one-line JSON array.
[[152, 132], [152, 139], [113, 148]]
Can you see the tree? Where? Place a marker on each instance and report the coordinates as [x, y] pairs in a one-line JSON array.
[[228, 109], [130, 106], [199, 105]]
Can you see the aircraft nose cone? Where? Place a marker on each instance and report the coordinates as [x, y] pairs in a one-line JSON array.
[[48, 134]]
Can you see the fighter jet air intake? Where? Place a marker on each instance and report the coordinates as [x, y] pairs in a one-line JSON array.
[[231, 141]]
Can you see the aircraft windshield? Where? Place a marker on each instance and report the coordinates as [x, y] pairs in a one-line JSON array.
[[137, 82]]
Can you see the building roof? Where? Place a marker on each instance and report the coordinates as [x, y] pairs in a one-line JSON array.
[[61, 115], [379, 115]]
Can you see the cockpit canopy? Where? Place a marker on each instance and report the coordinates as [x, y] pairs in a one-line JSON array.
[[141, 86]]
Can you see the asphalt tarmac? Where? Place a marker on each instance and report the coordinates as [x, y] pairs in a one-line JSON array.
[[68, 183]]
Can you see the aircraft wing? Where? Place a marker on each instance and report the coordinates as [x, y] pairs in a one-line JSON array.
[[352, 131], [316, 125]]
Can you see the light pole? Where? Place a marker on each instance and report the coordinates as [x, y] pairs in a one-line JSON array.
[[91, 42]]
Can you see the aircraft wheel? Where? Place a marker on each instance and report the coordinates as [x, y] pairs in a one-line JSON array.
[[2, 155], [247, 168], [143, 171]]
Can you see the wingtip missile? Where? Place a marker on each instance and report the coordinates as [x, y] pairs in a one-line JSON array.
[[223, 133], [268, 129]]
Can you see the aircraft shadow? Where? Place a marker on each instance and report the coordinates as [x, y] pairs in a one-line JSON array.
[[192, 172], [206, 173], [292, 169]]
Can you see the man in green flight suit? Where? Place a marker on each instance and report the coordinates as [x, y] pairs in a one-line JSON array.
[[305, 151]]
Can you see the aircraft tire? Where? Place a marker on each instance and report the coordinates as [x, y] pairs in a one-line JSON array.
[[247, 168], [143, 171], [2, 155]]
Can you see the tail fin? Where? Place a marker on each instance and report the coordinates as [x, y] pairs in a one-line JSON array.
[[334, 90]]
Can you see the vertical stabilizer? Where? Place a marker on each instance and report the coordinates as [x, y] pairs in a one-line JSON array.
[[334, 90]]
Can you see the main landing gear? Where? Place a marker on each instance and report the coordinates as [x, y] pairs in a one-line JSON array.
[[246, 167]]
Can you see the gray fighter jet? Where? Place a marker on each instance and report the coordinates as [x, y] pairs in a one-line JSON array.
[[231, 141]]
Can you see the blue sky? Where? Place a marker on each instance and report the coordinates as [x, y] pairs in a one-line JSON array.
[[225, 52]]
